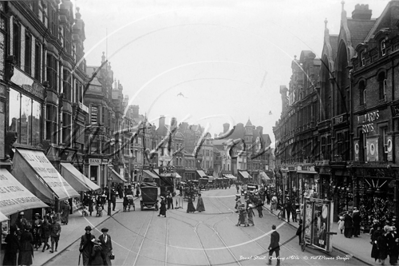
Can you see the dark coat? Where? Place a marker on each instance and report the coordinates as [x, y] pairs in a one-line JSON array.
[[96, 256], [356, 219], [86, 247], [374, 250], [106, 247], [274, 241], [162, 209], [26, 249], [382, 243], [10, 255]]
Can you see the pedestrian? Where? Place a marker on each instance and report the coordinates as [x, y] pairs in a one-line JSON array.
[[392, 239], [190, 205], [125, 203], [162, 209], [348, 225], [26, 248], [37, 227], [21, 223], [113, 199], [137, 191], [200, 204], [45, 233], [91, 204], [357, 219], [65, 212], [251, 215], [238, 188], [273, 203], [12, 247], [288, 208], [120, 191], [376, 232], [86, 246], [169, 198], [299, 231], [55, 235], [293, 211], [382, 243], [242, 215], [96, 254], [341, 224], [106, 246], [274, 246]]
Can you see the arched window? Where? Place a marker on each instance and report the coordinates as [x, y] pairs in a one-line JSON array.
[[382, 84], [362, 92]]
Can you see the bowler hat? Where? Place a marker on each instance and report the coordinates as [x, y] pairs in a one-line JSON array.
[[88, 228], [104, 230]]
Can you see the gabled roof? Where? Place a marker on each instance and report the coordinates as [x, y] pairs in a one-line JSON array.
[[382, 20], [359, 29]]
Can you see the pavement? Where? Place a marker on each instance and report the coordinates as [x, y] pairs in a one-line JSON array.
[[358, 247], [72, 232]]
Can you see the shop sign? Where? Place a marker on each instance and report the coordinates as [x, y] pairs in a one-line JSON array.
[[105, 161], [367, 121], [95, 161], [357, 149]]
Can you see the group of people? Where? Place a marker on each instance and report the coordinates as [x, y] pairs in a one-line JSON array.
[[27, 236], [95, 251], [349, 223], [385, 242], [200, 205]]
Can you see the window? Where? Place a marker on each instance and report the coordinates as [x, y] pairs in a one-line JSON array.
[[66, 128], [61, 36], [51, 123], [67, 88], [362, 92], [16, 43], [52, 71], [38, 66], [382, 83], [363, 58], [24, 118], [28, 53], [383, 48]]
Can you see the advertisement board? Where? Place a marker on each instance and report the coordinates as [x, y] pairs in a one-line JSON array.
[[318, 218]]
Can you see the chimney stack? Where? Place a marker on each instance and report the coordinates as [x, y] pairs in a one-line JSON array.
[[361, 12]]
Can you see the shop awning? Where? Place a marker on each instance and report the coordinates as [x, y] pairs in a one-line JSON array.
[[14, 197], [3, 217], [244, 174], [177, 175], [115, 176], [264, 175], [201, 173], [35, 172], [76, 179], [150, 174], [230, 176]]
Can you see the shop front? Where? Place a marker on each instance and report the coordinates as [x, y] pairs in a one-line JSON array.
[[35, 172], [341, 191], [375, 192], [244, 177]]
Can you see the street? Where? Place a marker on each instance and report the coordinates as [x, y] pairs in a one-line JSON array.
[[210, 238]]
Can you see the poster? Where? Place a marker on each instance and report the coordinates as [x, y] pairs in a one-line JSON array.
[[308, 221], [320, 224]]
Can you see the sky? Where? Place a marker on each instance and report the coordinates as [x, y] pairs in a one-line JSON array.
[[208, 62]]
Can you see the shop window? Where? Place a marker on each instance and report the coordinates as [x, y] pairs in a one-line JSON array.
[[51, 123], [14, 112], [36, 118], [362, 92], [25, 120], [93, 173], [28, 54]]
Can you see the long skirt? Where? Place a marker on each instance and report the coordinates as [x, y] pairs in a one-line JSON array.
[[25, 257], [242, 218]]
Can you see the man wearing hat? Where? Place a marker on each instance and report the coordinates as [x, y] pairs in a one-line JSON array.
[[86, 245], [106, 245]]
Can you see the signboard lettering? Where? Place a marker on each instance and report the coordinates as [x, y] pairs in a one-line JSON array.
[[94, 161], [368, 121]]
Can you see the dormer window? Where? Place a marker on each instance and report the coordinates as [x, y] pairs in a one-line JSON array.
[[383, 48], [363, 58]]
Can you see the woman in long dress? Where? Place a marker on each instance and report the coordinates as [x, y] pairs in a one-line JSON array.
[[26, 247], [190, 205], [162, 210], [200, 204]]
